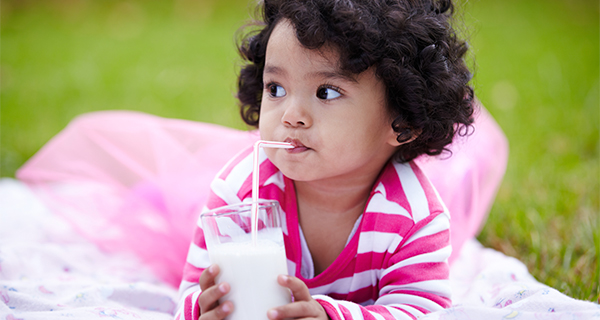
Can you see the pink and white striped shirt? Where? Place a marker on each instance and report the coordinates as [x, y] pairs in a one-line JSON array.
[[394, 265]]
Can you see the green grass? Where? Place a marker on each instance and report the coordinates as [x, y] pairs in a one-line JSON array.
[[536, 69], [537, 72]]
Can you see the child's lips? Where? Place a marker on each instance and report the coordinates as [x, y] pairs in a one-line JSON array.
[[298, 146]]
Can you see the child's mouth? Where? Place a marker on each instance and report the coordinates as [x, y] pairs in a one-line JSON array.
[[298, 146]]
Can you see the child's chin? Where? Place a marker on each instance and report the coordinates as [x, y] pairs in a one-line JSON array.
[[294, 174]]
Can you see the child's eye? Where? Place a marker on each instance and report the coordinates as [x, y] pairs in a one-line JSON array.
[[276, 91], [328, 93]]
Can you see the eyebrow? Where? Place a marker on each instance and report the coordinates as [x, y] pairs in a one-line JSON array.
[[270, 69], [273, 70], [333, 75]]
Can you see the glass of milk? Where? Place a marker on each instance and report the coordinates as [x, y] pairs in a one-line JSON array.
[[250, 266]]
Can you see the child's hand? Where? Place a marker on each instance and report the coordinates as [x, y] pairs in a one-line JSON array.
[[303, 307], [211, 293]]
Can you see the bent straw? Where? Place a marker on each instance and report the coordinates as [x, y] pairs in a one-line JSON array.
[[255, 178]]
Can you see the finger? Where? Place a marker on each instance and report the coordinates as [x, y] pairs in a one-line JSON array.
[[301, 309], [218, 313], [207, 278], [297, 287], [209, 299]]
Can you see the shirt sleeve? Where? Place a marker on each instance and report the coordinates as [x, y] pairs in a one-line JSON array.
[[413, 283], [230, 186], [197, 259], [189, 289]]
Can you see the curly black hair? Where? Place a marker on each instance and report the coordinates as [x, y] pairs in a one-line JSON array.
[[411, 45]]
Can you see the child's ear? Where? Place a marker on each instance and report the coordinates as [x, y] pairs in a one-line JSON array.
[[405, 136]]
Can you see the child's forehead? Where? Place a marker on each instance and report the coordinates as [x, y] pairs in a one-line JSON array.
[[283, 44]]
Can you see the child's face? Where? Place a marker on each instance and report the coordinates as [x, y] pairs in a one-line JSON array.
[[339, 124]]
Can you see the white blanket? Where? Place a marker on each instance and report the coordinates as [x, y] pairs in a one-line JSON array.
[[47, 271]]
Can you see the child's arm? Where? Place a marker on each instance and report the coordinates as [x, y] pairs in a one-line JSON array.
[[414, 282], [197, 275], [199, 294], [194, 282], [189, 290]]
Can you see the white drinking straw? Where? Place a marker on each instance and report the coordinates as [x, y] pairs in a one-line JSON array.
[[255, 178]]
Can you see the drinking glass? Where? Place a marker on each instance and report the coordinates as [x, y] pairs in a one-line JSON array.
[[250, 266]]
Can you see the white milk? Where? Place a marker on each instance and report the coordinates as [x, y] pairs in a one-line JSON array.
[[251, 272]]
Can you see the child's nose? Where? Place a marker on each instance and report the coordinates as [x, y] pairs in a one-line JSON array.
[[296, 115]]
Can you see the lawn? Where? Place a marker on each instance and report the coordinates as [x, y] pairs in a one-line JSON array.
[[536, 66]]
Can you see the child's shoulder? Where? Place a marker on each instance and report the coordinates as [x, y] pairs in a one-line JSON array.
[[236, 175], [403, 190], [238, 166]]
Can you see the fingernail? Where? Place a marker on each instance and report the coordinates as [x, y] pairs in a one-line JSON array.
[[211, 269], [225, 308], [284, 277], [223, 288], [272, 314]]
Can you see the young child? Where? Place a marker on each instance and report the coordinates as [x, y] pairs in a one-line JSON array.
[[360, 88]]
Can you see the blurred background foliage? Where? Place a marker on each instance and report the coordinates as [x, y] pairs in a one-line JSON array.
[[536, 66]]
